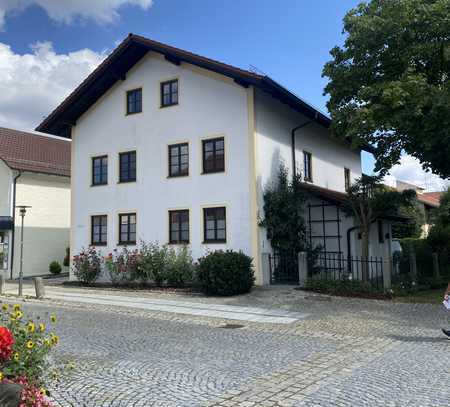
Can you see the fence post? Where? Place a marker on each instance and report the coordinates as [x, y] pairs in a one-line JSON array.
[[302, 269], [436, 271], [39, 287], [265, 269], [413, 265], [387, 273]]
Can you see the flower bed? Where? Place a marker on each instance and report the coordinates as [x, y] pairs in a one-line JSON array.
[[24, 348]]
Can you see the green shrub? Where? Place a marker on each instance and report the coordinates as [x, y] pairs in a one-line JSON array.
[[55, 267], [179, 268], [123, 265], [225, 273], [341, 287], [152, 262], [66, 262]]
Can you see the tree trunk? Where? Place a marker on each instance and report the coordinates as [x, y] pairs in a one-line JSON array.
[[365, 253]]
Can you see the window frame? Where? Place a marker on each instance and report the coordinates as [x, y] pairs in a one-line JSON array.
[[215, 169], [307, 166], [99, 157], [169, 82], [347, 179], [127, 242], [122, 154], [169, 152], [215, 240], [180, 230], [127, 94], [99, 242]]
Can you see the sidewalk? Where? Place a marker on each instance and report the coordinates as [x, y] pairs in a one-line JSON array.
[[233, 312]]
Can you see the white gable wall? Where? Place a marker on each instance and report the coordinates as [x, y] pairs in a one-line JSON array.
[[209, 106]]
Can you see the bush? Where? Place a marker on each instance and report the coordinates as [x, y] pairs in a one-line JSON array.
[[153, 260], [87, 265], [55, 267], [180, 267], [66, 261], [123, 265], [225, 273], [341, 287]]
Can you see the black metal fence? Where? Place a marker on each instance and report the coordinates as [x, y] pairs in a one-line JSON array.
[[332, 266], [283, 268]]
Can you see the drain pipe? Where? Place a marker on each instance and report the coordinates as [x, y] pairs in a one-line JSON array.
[[294, 165], [14, 222]]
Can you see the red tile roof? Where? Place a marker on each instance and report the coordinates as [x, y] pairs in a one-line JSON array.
[[34, 153], [430, 198]]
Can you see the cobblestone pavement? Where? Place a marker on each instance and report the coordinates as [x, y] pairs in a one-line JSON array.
[[347, 352]]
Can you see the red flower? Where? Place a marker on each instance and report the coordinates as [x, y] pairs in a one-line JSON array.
[[6, 343]]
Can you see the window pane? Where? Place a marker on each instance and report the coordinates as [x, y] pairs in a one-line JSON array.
[[175, 86], [210, 235], [221, 234], [219, 145], [175, 98], [184, 149], [185, 236], [208, 146], [174, 237], [133, 219]]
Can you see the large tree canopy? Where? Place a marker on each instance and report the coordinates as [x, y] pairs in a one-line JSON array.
[[389, 85]]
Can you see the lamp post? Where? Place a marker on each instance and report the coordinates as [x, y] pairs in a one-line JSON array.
[[22, 212]]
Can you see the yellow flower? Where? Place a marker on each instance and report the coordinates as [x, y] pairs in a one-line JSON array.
[[42, 327], [55, 339], [18, 314], [1, 376], [5, 307], [30, 345], [43, 391], [53, 318], [31, 327], [47, 342], [17, 307], [16, 356]]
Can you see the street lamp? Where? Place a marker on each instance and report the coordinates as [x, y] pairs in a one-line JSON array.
[[22, 211]]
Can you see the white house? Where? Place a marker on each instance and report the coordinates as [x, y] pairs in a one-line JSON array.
[[35, 172], [174, 147]]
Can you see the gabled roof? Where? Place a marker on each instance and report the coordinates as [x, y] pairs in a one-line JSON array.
[[128, 53], [30, 152]]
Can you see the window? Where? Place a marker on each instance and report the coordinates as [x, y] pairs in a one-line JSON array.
[[213, 155], [214, 227], [307, 166], [100, 170], [99, 230], [134, 101], [179, 226], [347, 179], [380, 231], [178, 160], [127, 165], [169, 93], [127, 228]]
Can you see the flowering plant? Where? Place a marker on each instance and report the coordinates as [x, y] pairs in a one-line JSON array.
[[87, 265], [123, 265], [24, 348]]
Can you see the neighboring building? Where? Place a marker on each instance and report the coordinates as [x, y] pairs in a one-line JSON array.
[[173, 147], [34, 171]]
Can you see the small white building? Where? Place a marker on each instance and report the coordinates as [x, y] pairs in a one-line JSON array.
[[34, 171], [174, 147]]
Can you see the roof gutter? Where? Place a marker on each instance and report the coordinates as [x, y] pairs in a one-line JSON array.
[[13, 232]]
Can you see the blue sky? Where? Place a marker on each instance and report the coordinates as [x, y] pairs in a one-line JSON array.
[[288, 40]]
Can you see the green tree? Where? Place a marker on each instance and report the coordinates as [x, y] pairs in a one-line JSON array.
[[389, 85], [283, 210], [369, 200], [439, 236]]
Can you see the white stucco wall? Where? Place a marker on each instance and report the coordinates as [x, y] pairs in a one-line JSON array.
[[6, 179], [209, 106], [47, 222]]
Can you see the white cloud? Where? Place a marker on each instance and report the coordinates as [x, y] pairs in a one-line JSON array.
[[410, 170], [32, 85], [101, 11]]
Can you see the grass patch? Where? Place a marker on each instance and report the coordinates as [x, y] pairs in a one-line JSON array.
[[431, 296]]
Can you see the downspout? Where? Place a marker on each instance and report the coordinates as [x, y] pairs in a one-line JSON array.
[[13, 232], [294, 165]]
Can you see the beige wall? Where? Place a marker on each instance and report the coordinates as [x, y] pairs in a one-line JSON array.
[[47, 222]]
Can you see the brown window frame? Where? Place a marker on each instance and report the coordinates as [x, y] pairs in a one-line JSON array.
[[307, 166], [94, 159], [179, 239], [132, 92], [99, 242], [170, 94], [128, 154], [216, 168], [180, 173], [216, 229], [128, 232], [347, 179]]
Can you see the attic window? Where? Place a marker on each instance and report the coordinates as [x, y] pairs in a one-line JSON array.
[[169, 93], [134, 101]]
